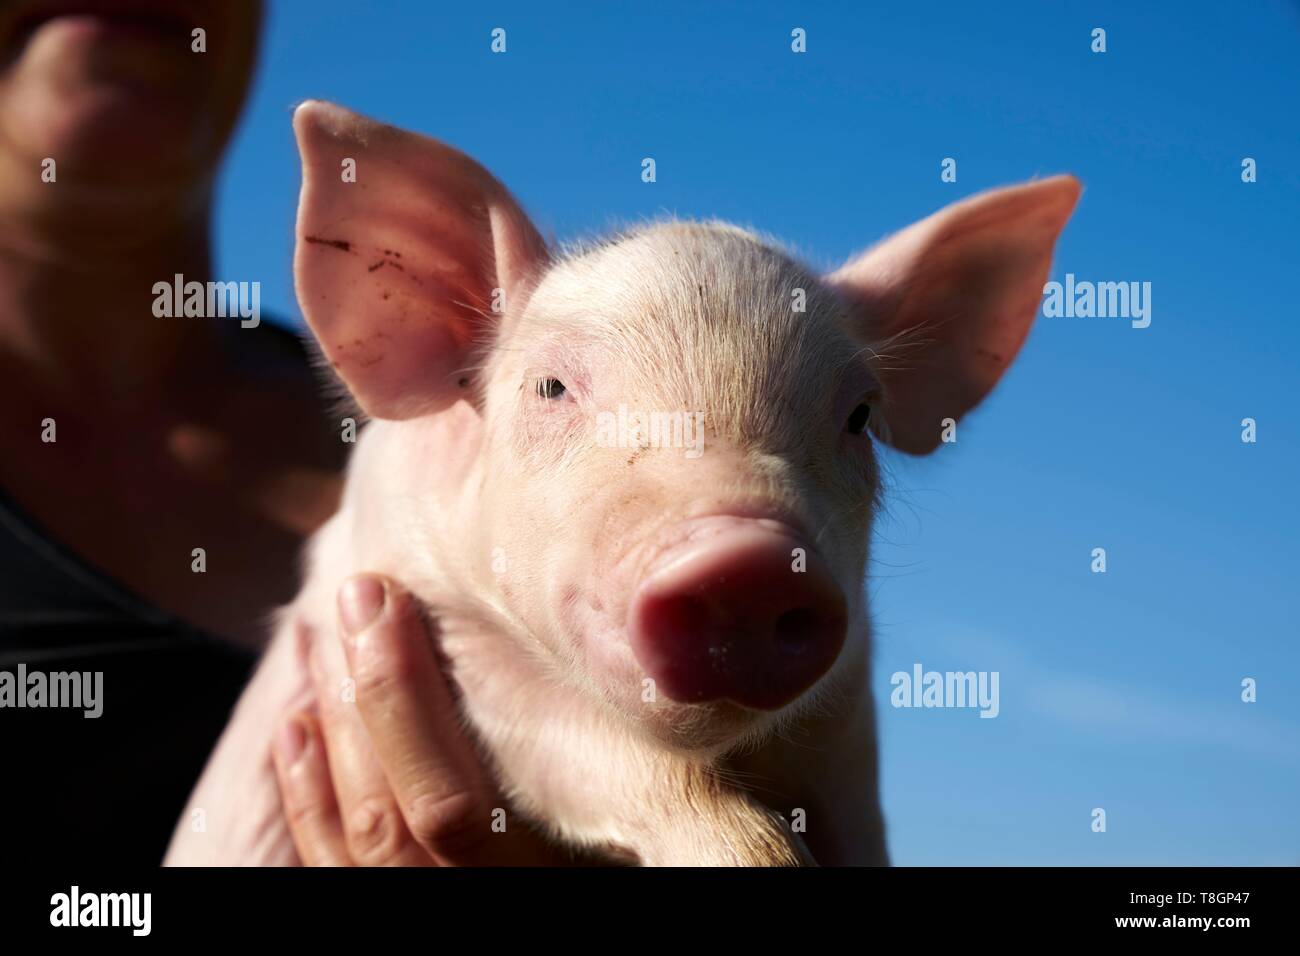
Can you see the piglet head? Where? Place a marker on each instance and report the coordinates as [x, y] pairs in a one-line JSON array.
[[663, 445]]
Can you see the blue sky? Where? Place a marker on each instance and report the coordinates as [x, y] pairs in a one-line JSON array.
[[1118, 690]]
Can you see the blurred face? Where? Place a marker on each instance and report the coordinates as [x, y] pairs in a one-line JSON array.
[[114, 90]]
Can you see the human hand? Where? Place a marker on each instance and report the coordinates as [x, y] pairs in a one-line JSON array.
[[386, 775]]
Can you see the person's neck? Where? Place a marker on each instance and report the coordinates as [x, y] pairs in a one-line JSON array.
[[79, 317]]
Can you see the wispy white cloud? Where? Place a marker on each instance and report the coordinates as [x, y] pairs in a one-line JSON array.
[[1135, 712], [1123, 710]]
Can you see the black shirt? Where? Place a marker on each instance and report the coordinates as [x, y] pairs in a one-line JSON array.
[[109, 788]]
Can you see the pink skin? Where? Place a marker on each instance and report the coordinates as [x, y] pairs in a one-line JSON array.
[[620, 619]]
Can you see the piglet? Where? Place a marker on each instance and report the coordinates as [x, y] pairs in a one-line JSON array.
[[634, 480]]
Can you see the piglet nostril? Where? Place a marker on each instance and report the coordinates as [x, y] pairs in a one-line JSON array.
[[797, 630]]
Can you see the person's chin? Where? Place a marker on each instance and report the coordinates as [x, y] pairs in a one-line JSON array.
[[102, 131], [86, 89]]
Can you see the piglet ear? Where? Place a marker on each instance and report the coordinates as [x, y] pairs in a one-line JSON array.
[[406, 250], [946, 304]]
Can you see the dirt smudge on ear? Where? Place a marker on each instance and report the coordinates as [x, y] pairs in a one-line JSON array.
[[341, 244]]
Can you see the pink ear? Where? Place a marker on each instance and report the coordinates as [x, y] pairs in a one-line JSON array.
[[947, 302], [397, 271]]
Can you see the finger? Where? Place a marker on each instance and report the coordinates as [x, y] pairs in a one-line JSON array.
[[308, 793], [446, 798], [373, 827]]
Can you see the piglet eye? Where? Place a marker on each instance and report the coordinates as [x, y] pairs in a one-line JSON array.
[[551, 388], [857, 423]]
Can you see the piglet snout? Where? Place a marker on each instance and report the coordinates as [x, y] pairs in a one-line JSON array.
[[746, 612]]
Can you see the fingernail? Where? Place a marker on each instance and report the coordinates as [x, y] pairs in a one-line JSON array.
[[360, 601], [291, 741]]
